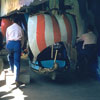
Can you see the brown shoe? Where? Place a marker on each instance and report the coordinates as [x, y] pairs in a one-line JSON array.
[[17, 84]]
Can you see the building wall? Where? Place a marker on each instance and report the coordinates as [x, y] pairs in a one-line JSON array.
[[8, 6]]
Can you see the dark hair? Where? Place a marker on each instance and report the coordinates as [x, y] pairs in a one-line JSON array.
[[14, 18], [90, 28]]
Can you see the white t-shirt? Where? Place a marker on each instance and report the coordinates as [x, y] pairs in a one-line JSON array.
[[14, 32], [88, 38]]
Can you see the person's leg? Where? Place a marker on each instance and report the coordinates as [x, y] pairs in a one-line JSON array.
[[91, 55], [10, 58], [79, 54], [17, 54]]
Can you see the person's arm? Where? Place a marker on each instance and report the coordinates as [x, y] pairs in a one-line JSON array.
[[6, 36], [79, 38]]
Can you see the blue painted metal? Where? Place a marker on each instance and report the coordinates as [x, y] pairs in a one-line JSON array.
[[50, 63]]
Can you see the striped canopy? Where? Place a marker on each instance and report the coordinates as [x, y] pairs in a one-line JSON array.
[[45, 30]]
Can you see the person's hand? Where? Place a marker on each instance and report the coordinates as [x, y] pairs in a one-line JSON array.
[[25, 50]]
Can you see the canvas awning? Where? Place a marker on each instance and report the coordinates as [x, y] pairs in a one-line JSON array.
[[12, 6]]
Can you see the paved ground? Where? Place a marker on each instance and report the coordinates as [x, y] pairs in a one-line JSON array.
[[67, 87]]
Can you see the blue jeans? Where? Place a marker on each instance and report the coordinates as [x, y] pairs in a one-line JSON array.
[[14, 50]]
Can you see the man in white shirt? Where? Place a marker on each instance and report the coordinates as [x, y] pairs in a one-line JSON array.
[[88, 49], [14, 42], [88, 38]]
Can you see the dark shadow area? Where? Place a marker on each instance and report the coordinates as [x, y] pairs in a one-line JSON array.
[[68, 78], [42, 87], [7, 97]]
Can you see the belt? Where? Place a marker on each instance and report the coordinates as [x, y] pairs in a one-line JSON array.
[[14, 40]]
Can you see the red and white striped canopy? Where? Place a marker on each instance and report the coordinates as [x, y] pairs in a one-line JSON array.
[[5, 22], [45, 30]]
